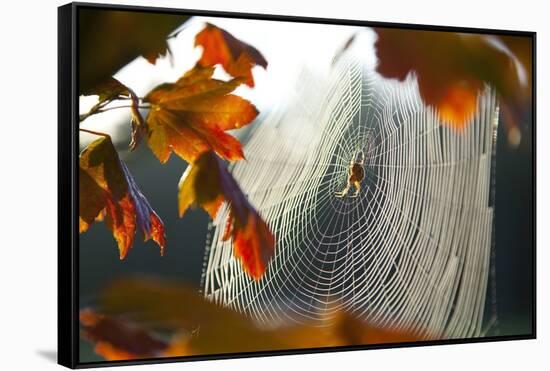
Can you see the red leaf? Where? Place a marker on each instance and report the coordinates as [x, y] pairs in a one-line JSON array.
[[236, 57], [116, 339], [207, 183], [107, 188]]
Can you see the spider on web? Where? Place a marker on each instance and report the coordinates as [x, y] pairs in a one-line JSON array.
[[356, 173]]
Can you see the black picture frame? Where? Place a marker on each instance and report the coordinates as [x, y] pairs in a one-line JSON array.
[[68, 234]]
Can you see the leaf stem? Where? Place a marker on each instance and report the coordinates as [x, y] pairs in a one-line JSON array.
[[116, 107], [98, 108], [94, 132], [129, 98]]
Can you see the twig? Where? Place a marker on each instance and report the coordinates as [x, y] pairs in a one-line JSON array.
[[111, 108], [98, 108], [95, 132]]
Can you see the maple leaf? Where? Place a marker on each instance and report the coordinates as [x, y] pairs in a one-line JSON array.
[[207, 183], [108, 190], [452, 68], [191, 116], [111, 90], [116, 339], [236, 57]]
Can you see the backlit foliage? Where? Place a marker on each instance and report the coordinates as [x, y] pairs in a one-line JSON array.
[[189, 117]]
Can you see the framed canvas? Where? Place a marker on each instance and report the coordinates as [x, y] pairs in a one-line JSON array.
[[236, 185]]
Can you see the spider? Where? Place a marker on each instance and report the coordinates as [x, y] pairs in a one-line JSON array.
[[356, 173]]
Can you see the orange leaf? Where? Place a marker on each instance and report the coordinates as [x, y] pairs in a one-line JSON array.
[[457, 104], [452, 68], [116, 339], [207, 183], [253, 244], [236, 57], [191, 116], [202, 327], [107, 188]]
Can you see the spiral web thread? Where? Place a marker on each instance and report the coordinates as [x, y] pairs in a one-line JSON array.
[[411, 252]]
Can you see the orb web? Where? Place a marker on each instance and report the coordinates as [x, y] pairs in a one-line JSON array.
[[412, 251]]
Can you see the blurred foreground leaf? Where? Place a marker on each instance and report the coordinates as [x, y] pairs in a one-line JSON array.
[[452, 69], [116, 339], [109, 40], [199, 327]]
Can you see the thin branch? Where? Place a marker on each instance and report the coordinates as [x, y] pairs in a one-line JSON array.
[[128, 98], [92, 111], [98, 108], [128, 106], [95, 132]]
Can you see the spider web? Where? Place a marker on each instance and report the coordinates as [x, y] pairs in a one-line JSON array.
[[411, 252]]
